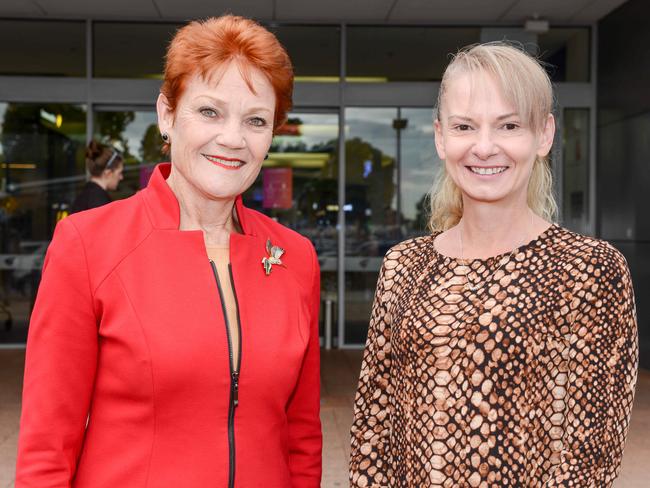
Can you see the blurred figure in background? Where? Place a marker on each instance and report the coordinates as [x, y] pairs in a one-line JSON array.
[[105, 166]]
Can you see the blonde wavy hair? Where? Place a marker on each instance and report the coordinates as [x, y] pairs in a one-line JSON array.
[[525, 84]]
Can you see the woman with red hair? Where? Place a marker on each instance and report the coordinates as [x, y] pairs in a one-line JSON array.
[[174, 341]]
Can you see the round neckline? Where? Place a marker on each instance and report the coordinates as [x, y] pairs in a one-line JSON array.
[[534, 242]]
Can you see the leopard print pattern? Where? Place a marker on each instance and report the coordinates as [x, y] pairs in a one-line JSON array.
[[527, 382]]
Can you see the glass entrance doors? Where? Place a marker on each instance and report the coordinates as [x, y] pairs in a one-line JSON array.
[[391, 163], [41, 149], [298, 187]]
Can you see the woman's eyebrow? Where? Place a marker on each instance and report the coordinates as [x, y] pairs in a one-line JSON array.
[[216, 101], [220, 102], [507, 116]]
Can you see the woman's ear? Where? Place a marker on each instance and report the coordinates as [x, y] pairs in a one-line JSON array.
[[546, 137], [440, 143], [165, 114]]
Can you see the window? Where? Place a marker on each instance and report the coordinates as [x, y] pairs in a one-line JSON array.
[[130, 50], [42, 48]]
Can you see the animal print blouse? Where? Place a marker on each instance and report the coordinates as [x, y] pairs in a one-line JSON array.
[[527, 382]]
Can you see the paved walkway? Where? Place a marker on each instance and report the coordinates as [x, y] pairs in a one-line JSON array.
[[340, 370]]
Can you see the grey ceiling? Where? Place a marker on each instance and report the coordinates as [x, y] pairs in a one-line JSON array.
[[577, 12]]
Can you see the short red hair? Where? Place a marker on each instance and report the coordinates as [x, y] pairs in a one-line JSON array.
[[202, 47]]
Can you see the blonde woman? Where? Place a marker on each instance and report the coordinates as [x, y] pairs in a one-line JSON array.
[[502, 348]]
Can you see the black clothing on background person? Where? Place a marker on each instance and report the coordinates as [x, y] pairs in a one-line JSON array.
[[104, 168], [92, 195]]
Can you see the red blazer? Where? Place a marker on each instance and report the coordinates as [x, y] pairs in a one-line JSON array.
[[127, 377]]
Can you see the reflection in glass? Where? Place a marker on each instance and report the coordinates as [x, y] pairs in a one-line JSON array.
[[130, 49], [41, 145], [135, 134], [389, 53], [42, 48], [575, 180], [419, 165], [314, 50], [298, 188], [386, 149], [371, 214]]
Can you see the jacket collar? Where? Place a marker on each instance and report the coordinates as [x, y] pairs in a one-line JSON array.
[[162, 205]]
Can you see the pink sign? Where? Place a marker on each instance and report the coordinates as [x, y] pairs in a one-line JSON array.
[[278, 187]]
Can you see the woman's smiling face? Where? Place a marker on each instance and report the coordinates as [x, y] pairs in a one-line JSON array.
[[489, 151], [220, 132]]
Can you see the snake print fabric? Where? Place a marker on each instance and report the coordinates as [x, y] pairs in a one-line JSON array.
[[527, 382]]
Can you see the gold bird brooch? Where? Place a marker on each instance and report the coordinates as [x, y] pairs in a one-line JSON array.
[[274, 254]]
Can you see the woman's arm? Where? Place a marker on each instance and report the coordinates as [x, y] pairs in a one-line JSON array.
[[602, 375], [303, 412], [59, 366], [369, 462]]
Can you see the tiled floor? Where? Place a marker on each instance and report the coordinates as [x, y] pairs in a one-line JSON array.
[[340, 372]]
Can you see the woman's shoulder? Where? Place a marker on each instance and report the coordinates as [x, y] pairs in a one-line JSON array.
[[106, 233], [118, 222], [410, 251], [587, 255], [587, 248]]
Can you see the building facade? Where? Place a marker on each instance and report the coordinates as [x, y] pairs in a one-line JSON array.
[[350, 169]]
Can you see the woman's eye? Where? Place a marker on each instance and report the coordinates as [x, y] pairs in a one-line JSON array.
[[510, 126], [208, 112], [258, 122]]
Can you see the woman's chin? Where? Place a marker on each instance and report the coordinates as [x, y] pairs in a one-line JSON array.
[[485, 195]]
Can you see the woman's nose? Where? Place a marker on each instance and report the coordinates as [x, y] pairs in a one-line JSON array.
[[231, 135], [484, 146]]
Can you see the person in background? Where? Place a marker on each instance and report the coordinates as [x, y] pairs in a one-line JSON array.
[[174, 342], [502, 348], [105, 166]]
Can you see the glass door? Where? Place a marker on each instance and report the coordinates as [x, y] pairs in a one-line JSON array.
[[134, 132], [41, 149], [391, 163], [298, 187], [573, 157], [575, 175]]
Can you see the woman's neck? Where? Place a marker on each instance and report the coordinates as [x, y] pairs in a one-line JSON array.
[[215, 218], [99, 181], [489, 229]]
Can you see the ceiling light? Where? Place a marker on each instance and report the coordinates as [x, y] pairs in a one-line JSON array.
[[536, 26]]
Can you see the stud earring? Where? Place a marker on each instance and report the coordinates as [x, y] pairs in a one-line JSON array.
[[266, 157], [165, 137]]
